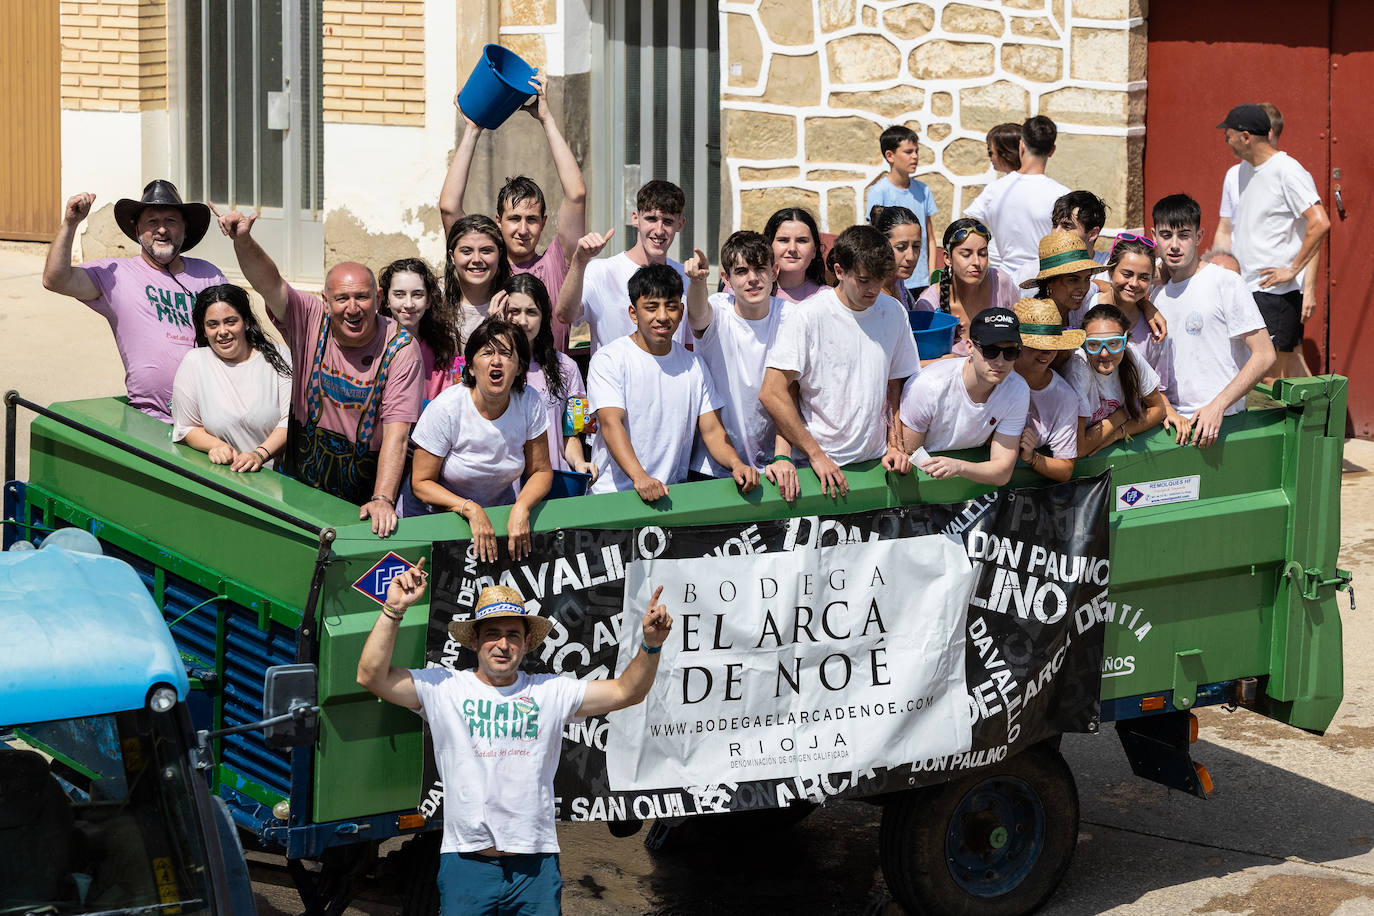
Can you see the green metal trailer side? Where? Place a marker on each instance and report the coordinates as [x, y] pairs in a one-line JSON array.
[[1237, 583]]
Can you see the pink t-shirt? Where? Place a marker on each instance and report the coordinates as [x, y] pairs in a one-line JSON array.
[[150, 314], [799, 293], [572, 385], [347, 373], [551, 268], [436, 379], [1054, 417]]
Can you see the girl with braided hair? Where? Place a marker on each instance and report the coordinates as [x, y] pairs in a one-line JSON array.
[[968, 285]]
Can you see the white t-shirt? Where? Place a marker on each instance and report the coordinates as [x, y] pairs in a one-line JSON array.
[[991, 192], [1268, 224], [844, 360], [937, 403], [1053, 415], [483, 458], [1017, 209], [734, 350], [1208, 314], [497, 749], [606, 300], [573, 386], [1100, 395], [239, 403], [662, 397]]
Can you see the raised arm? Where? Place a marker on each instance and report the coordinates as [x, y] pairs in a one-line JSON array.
[[456, 180], [572, 213], [375, 669], [633, 684], [258, 269], [698, 307], [569, 306], [59, 275]]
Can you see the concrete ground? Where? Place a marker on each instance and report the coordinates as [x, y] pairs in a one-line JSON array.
[[1289, 829]]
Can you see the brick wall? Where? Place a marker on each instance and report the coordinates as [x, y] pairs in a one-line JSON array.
[[114, 54], [374, 61]]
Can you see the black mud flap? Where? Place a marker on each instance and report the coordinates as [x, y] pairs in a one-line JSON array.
[[1158, 749]]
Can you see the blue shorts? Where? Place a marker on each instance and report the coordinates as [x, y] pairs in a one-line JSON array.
[[522, 885]]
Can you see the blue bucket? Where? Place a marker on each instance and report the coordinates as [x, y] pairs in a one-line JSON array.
[[498, 87], [569, 483], [934, 332]]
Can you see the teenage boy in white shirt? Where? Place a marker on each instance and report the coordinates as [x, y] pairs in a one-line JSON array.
[[734, 331], [849, 349], [595, 291], [963, 403], [651, 395], [1221, 346]]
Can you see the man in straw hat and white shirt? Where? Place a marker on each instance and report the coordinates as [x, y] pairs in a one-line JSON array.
[[146, 299], [497, 735]]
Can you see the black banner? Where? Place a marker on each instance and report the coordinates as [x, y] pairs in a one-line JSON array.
[[1032, 655]]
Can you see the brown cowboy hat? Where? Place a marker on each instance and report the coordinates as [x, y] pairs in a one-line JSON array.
[[1062, 253], [497, 601], [1043, 329], [162, 193]]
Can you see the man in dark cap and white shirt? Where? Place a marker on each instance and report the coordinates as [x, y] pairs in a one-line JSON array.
[[1277, 230], [498, 733], [146, 299]]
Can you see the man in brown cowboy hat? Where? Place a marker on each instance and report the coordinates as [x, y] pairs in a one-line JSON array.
[[357, 379], [497, 735], [146, 299]]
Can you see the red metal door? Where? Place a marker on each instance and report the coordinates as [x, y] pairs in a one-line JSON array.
[[1352, 154], [1208, 55]]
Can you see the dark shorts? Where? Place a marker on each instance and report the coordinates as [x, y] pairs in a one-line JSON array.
[[1283, 317], [524, 885]]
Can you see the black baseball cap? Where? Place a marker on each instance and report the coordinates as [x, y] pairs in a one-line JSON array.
[[1250, 118], [995, 326]]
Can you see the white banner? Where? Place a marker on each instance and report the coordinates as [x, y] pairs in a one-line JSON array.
[[803, 662]]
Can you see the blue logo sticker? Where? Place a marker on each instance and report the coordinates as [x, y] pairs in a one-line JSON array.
[[374, 582], [1131, 496]]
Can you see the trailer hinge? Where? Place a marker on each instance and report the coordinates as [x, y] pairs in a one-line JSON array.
[[1314, 580]]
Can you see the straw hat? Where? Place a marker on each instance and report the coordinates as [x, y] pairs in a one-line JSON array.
[[497, 601], [1062, 253], [1043, 329]]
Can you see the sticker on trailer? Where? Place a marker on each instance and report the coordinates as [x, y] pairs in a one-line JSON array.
[[375, 581], [1158, 492]]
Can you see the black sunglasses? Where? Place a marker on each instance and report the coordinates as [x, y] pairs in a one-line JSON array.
[[992, 351]]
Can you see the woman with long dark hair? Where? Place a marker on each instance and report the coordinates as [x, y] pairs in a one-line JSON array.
[[410, 293], [475, 271], [797, 253], [1118, 391], [902, 229], [969, 284], [232, 393], [526, 305]]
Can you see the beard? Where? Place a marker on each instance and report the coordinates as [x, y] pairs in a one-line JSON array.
[[163, 253]]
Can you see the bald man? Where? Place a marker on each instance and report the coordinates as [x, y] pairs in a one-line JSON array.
[[357, 379]]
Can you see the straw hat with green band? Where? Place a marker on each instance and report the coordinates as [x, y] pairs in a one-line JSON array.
[[1043, 329], [1062, 253]]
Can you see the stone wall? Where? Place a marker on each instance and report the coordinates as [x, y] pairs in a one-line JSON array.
[[114, 55], [374, 61], [808, 87]]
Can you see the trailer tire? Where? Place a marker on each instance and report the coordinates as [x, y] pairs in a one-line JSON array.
[[422, 875], [993, 843]]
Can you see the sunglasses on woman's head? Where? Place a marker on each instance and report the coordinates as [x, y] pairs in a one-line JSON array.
[[976, 229], [992, 351], [1095, 345], [1131, 237]]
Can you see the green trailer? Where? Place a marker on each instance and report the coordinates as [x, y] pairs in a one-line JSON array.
[[1227, 596]]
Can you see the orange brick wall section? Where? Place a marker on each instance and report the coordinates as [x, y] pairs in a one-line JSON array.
[[374, 61], [114, 54]]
